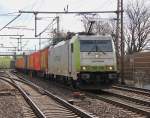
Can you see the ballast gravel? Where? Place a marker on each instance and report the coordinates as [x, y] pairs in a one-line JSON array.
[[97, 107], [9, 106]]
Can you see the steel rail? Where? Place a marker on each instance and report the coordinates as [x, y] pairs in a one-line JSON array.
[[71, 107], [133, 89], [142, 102], [37, 111]]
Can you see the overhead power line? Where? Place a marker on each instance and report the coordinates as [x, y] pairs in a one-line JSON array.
[[46, 28], [11, 35], [32, 38], [10, 22], [19, 28], [7, 47], [9, 14]]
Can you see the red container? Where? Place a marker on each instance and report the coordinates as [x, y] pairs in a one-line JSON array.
[[36, 61]]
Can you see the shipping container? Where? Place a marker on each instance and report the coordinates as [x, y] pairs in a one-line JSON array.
[[20, 64], [36, 61], [44, 60]]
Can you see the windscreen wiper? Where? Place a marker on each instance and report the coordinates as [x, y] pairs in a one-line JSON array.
[[97, 49], [91, 50]]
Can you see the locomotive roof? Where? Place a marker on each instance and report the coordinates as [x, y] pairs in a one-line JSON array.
[[95, 37]]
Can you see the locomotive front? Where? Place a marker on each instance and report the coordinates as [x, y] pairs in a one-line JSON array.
[[97, 60]]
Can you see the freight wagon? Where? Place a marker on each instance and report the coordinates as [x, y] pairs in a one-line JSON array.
[[20, 63], [36, 61], [44, 61]]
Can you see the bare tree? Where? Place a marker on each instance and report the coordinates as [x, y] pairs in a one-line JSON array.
[[137, 30], [101, 26]]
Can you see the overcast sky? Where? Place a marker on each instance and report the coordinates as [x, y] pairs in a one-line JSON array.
[[67, 22], [10, 6]]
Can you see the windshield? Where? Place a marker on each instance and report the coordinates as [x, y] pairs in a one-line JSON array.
[[95, 45]]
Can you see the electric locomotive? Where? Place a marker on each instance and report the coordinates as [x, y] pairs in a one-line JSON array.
[[84, 60]]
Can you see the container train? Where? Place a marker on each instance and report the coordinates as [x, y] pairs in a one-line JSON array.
[[83, 60]]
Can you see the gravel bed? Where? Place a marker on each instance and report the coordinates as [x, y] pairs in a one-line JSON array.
[[4, 86], [9, 106], [106, 110], [98, 107], [46, 84]]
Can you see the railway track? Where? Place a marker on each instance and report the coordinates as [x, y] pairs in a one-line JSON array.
[[43, 103], [27, 111], [134, 99], [135, 106]]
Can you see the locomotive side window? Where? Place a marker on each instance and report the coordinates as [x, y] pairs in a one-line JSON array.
[[72, 47]]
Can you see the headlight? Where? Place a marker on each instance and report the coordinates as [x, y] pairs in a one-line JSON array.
[[84, 68], [110, 68], [96, 55]]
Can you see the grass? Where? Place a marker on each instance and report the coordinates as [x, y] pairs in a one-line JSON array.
[[5, 62]]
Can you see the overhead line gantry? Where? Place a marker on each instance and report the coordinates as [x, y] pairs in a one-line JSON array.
[[68, 12]]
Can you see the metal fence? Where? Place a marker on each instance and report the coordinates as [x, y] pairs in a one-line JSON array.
[[137, 66]]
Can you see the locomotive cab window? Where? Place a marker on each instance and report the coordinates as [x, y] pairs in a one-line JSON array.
[[96, 45]]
